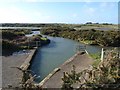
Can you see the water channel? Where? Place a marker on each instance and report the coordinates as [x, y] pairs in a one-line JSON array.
[[54, 54]]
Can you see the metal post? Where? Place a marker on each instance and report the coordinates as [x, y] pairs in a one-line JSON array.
[[102, 54]]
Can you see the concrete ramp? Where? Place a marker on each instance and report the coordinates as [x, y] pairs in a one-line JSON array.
[[80, 60]]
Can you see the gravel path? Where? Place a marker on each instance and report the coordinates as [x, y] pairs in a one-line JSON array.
[[81, 62]]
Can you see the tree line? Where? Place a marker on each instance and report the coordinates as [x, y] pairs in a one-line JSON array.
[[97, 37]]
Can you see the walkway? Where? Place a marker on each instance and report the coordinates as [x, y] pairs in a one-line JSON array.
[[81, 61], [11, 77]]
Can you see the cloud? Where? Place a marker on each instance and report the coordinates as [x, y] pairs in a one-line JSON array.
[[104, 4], [74, 15], [33, 0], [87, 1], [59, 1], [13, 1], [90, 10], [17, 15], [11, 14], [108, 4], [30, 0]]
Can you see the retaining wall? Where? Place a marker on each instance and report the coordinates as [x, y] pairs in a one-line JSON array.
[[27, 62]]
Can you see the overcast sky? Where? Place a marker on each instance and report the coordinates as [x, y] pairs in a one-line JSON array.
[[42, 11]]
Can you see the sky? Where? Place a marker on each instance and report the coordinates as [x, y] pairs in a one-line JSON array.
[[64, 11]]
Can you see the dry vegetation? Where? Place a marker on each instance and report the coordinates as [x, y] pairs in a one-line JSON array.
[[105, 75]]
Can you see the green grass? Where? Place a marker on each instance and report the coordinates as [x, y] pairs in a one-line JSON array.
[[43, 38], [96, 58]]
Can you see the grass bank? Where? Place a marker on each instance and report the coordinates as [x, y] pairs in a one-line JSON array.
[[96, 58]]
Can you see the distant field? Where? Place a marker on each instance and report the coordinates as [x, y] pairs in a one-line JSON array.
[[96, 27], [82, 26]]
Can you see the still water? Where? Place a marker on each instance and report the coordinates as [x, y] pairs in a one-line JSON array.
[[53, 55]]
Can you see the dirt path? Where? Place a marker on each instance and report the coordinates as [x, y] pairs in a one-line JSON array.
[[81, 62]]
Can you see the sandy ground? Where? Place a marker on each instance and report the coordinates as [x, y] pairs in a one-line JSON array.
[[81, 62], [12, 76]]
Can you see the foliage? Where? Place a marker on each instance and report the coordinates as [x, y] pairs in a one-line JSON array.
[[8, 35], [105, 75], [14, 40], [103, 38], [43, 38], [27, 81], [9, 47], [69, 79]]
